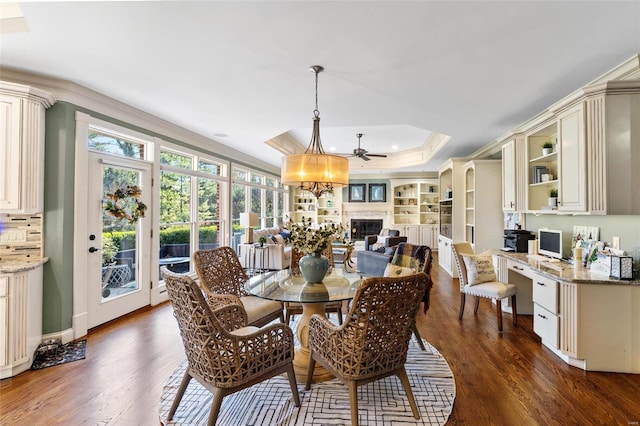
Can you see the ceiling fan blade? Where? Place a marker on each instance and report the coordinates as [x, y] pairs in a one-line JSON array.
[[364, 157], [378, 155]]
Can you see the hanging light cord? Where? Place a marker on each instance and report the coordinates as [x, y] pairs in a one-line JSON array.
[[315, 146]]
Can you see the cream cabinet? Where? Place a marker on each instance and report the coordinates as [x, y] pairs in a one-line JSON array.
[[429, 236], [415, 202], [22, 118], [514, 182], [452, 210], [593, 167], [572, 160], [326, 209], [20, 320], [484, 225]]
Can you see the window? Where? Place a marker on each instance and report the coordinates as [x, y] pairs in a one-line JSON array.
[[191, 206], [102, 141], [257, 193]]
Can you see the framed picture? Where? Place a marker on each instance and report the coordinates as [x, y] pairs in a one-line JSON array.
[[377, 192], [356, 192]]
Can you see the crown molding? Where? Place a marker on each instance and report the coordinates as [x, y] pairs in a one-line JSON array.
[[67, 91]]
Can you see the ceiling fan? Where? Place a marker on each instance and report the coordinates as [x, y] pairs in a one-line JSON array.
[[363, 153]]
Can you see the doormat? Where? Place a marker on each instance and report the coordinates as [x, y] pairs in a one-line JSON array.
[[53, 352]]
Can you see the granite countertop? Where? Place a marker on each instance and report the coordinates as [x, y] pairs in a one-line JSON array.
[[564, 271], [21, 265]]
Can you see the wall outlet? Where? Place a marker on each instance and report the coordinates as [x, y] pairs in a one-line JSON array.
[[616, 243]]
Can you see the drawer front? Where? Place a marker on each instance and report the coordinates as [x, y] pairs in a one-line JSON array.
[[545, 325], [4, 286], [545, 293], [520, 268]]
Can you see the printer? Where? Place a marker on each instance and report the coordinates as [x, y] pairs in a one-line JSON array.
[[517, 240]]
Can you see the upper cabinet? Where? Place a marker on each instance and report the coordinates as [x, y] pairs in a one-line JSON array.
[[22, 118], [592, 165], [514, 184]]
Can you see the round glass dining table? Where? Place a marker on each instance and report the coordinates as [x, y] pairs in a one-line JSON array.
[[284, 287]]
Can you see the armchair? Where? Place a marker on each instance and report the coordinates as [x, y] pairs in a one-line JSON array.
[[383, 241], [373, 341], [223, 354]]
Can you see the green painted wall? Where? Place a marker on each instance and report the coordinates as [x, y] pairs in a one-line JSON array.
[[625, 227], [58, 277], [57, 289]]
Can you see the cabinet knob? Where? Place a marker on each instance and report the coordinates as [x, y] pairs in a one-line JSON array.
[[539, 283]]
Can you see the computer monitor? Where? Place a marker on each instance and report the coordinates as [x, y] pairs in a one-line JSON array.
[[550, 242]]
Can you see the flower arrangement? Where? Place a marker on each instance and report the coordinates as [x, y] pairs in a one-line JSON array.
[[309, 240], [124, 203]]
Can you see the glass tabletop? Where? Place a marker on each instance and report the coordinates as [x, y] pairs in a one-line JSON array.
[[281, 286]]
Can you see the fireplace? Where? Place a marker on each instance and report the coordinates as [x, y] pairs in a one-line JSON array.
[[360, 228]]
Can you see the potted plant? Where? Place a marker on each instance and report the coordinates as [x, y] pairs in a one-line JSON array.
[[553, 197], [262, 240], [547, 148]]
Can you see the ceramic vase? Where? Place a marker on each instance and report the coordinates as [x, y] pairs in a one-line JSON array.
[[314, 267]]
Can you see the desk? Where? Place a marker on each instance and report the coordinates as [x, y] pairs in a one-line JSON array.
[[283, 287], [590, 321]]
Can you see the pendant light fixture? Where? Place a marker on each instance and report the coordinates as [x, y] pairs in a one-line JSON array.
[[315, 171]]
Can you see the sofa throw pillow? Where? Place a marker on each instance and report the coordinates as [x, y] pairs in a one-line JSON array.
[[392, 270], [479, 268]]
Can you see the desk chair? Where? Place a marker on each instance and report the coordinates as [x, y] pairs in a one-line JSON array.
[[493, 289]]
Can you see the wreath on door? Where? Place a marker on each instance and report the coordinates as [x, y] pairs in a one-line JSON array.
[[124, 203]]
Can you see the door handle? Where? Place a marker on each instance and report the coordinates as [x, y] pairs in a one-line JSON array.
[[542, 316], [93, 249]]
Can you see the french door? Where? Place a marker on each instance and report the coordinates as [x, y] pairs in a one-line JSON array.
[[118, 242]]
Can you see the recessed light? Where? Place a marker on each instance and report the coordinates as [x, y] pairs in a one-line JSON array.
[[332, 148], [220, 135], [394, 146]]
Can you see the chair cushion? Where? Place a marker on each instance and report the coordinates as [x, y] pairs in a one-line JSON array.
[[258, 308], [244, 331], [479, 268], [492, 290], [397, 271]]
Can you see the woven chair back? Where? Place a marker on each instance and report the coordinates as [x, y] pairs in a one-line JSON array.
[[220, 271], [198, 327], [375, 336]]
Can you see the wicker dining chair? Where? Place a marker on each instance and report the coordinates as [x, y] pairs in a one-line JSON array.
[[294, 308], [223, 279], [373, 341], [223, 353]]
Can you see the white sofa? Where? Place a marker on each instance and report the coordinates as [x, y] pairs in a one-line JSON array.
[[277, 254]]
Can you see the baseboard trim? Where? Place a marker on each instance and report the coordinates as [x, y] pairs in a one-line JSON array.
[[65, 336]]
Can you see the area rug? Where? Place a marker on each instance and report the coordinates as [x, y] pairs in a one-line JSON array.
[[52, 353], [270, 403]]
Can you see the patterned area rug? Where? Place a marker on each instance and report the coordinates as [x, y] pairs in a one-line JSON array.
[[270, 403], [53, 352]]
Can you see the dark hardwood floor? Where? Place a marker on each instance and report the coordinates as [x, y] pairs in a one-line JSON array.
[[501, 379]]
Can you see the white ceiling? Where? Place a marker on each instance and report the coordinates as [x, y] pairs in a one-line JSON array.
[[395, 71]]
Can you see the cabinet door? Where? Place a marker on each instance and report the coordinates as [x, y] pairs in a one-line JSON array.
[[413, 234], [572, 186], [426, 235], [509, 177], [9, 154]]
